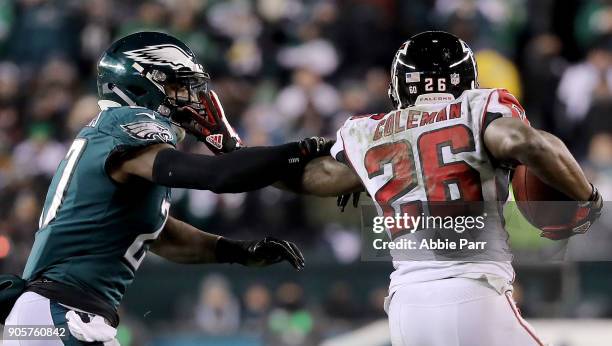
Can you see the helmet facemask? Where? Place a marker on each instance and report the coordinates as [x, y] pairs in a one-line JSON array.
[[183, 88]]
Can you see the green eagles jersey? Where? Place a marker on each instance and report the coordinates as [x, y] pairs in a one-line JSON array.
[[94, 232]]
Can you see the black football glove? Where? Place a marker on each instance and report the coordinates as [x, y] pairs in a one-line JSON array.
[[314, 147], [587, 213], [304, 151], [209, 124], [259, 253], [343, 200], [271, 250]]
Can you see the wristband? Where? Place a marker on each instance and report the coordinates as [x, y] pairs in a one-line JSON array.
[[232, 251], [594, 193]]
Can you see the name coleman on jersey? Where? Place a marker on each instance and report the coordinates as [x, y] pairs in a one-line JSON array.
[[393, 125]]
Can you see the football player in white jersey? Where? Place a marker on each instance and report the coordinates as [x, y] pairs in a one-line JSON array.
[[448, 140]]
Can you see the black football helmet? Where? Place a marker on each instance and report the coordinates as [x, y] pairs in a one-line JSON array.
[[431, 66]]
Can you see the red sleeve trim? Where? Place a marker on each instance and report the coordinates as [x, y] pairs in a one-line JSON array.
[[508, 100]]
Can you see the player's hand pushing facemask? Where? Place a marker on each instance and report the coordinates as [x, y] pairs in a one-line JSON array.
[[258, 253], [586, 214], [209, 124]]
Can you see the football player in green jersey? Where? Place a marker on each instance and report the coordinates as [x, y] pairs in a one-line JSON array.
[[109, 200]]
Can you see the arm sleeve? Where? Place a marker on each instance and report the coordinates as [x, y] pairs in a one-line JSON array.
[[243, 170]]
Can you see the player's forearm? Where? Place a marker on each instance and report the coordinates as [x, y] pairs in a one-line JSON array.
[[327, 177], [317, 179], [182, 243], [243, 170], [548, 157]]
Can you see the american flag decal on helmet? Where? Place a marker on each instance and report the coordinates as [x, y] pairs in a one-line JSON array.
[[413, 77]]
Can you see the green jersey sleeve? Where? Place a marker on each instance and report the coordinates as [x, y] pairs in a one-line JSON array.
[[132, 128]]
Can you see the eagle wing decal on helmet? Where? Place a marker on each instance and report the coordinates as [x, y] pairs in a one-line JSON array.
[[164, 55], [148, 131]]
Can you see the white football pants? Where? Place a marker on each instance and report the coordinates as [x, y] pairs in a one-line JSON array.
[[32, 309], [456, 312]]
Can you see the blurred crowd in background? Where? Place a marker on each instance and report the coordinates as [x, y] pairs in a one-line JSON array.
[[286, 69]]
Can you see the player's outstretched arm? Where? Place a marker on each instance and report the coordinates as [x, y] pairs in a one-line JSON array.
[[182, 243], [322, 179], [239, 171], [509, 139], [326, 177]]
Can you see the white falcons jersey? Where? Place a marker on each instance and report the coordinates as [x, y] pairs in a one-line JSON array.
[[434, 152]]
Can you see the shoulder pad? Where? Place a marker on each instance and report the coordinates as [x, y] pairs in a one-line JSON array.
[[138, 124]]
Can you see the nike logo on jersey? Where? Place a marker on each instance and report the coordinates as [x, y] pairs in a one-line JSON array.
[[215, 140], [148, 131]]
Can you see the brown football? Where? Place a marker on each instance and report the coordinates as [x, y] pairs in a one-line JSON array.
[[541, 204]]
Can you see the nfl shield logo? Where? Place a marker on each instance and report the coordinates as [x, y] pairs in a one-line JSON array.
[[454, 79]]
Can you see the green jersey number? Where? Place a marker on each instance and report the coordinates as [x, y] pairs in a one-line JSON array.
[[71, 159], [135, 254]]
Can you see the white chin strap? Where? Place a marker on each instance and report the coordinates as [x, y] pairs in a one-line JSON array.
[[122, 96]]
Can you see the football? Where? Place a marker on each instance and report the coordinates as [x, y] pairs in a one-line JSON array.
[[541, 204]]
